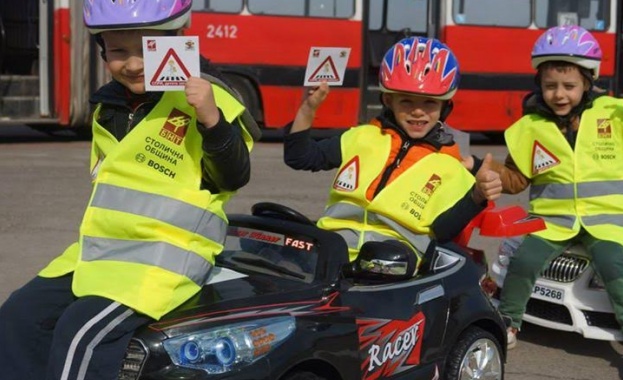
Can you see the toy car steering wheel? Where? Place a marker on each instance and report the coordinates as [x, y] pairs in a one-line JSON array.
[[279, 211]]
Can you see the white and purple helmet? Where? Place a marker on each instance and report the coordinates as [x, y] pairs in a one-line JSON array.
[[572, 44], [104, 15]]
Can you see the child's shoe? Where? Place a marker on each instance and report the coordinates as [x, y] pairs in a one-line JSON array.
[[511, 338]]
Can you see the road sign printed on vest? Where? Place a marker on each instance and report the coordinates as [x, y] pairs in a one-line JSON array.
[[542, 159], [325, 72], [348, 177], [171, 71]]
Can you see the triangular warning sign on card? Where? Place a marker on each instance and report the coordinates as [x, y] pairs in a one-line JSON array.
[[542, 159], [171, 71], [325, 72], [348, 178]]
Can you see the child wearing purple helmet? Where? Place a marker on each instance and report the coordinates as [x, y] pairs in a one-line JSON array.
[[568, 148], [163, 164]]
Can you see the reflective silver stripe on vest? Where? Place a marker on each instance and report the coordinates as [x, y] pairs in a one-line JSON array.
[[560, 220], [158, 254], [593, 220], [351, 237], [346, 211], [585, 190], [168, 210], [419, 241], [600, 188], [552, 191]]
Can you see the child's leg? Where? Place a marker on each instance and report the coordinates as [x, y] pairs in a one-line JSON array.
[[27, 321], [608, 263], [532, 257], [91, 338]]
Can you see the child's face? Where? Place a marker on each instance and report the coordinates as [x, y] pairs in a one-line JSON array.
[[124, 56], [416, 115], [563, 88]]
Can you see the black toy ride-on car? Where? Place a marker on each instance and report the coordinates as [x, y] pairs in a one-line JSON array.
[[284, 303]]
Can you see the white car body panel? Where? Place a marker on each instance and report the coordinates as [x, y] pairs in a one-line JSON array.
[[577, 297]]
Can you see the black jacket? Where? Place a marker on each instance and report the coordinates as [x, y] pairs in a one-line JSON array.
[[226, 162]]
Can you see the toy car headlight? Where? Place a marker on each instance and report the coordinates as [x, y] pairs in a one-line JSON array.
[[596, 283], [224, 348]]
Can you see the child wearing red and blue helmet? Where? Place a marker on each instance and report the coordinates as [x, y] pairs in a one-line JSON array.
[[163, 164], [568, 148], [399, 177]]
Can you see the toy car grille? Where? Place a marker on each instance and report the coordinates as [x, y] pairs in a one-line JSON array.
[[603, 320], [549, 311], [133, 361], [565, 268]]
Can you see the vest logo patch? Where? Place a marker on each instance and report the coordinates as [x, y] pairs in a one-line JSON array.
[[348, 178], [175, 126], [604, 129], [431, 185], [542, 159]]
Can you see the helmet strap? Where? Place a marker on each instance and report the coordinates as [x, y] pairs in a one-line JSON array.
[[100, 42], [446, 109]]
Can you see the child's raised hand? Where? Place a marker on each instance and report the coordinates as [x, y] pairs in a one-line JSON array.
[[316, 95], [307, 111], [488, 182], [199, 95]]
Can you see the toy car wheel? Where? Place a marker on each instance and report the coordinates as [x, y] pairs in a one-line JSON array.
[[304, 375], [476, 355]]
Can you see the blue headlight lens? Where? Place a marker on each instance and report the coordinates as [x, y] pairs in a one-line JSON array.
[[225, 348], [190, 352], [225, 351]]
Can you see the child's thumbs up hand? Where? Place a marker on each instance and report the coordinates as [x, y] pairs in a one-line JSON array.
[[488, 182]]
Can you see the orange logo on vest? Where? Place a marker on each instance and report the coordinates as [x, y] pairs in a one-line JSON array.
[[433, 183], [175, 126], [604, 128]]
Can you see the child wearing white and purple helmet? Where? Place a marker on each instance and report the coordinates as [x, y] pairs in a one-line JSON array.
[[568, 148], [163, 164], [399, 177]]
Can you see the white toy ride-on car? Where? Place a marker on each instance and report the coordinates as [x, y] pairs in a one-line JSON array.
[[568, 296]]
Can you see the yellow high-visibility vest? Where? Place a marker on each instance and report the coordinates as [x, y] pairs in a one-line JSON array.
[[576, 187], [149, 235], [406, 208]]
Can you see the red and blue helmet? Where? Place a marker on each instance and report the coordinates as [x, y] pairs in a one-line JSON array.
[[420, 66], [104, 15], [569, 43]]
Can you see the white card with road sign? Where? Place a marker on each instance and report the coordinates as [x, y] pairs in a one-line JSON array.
[[170, 61], [326, 64]]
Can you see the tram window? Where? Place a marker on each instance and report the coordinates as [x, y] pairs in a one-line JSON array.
[[407, 14], [589, 14], [278, 7], [375, 15], [312, 8], [492, 12], [225, 6], [332, 8]]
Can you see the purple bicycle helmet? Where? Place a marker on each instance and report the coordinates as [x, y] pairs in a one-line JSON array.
[[421, 66], [104, 15], [570, 44]]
